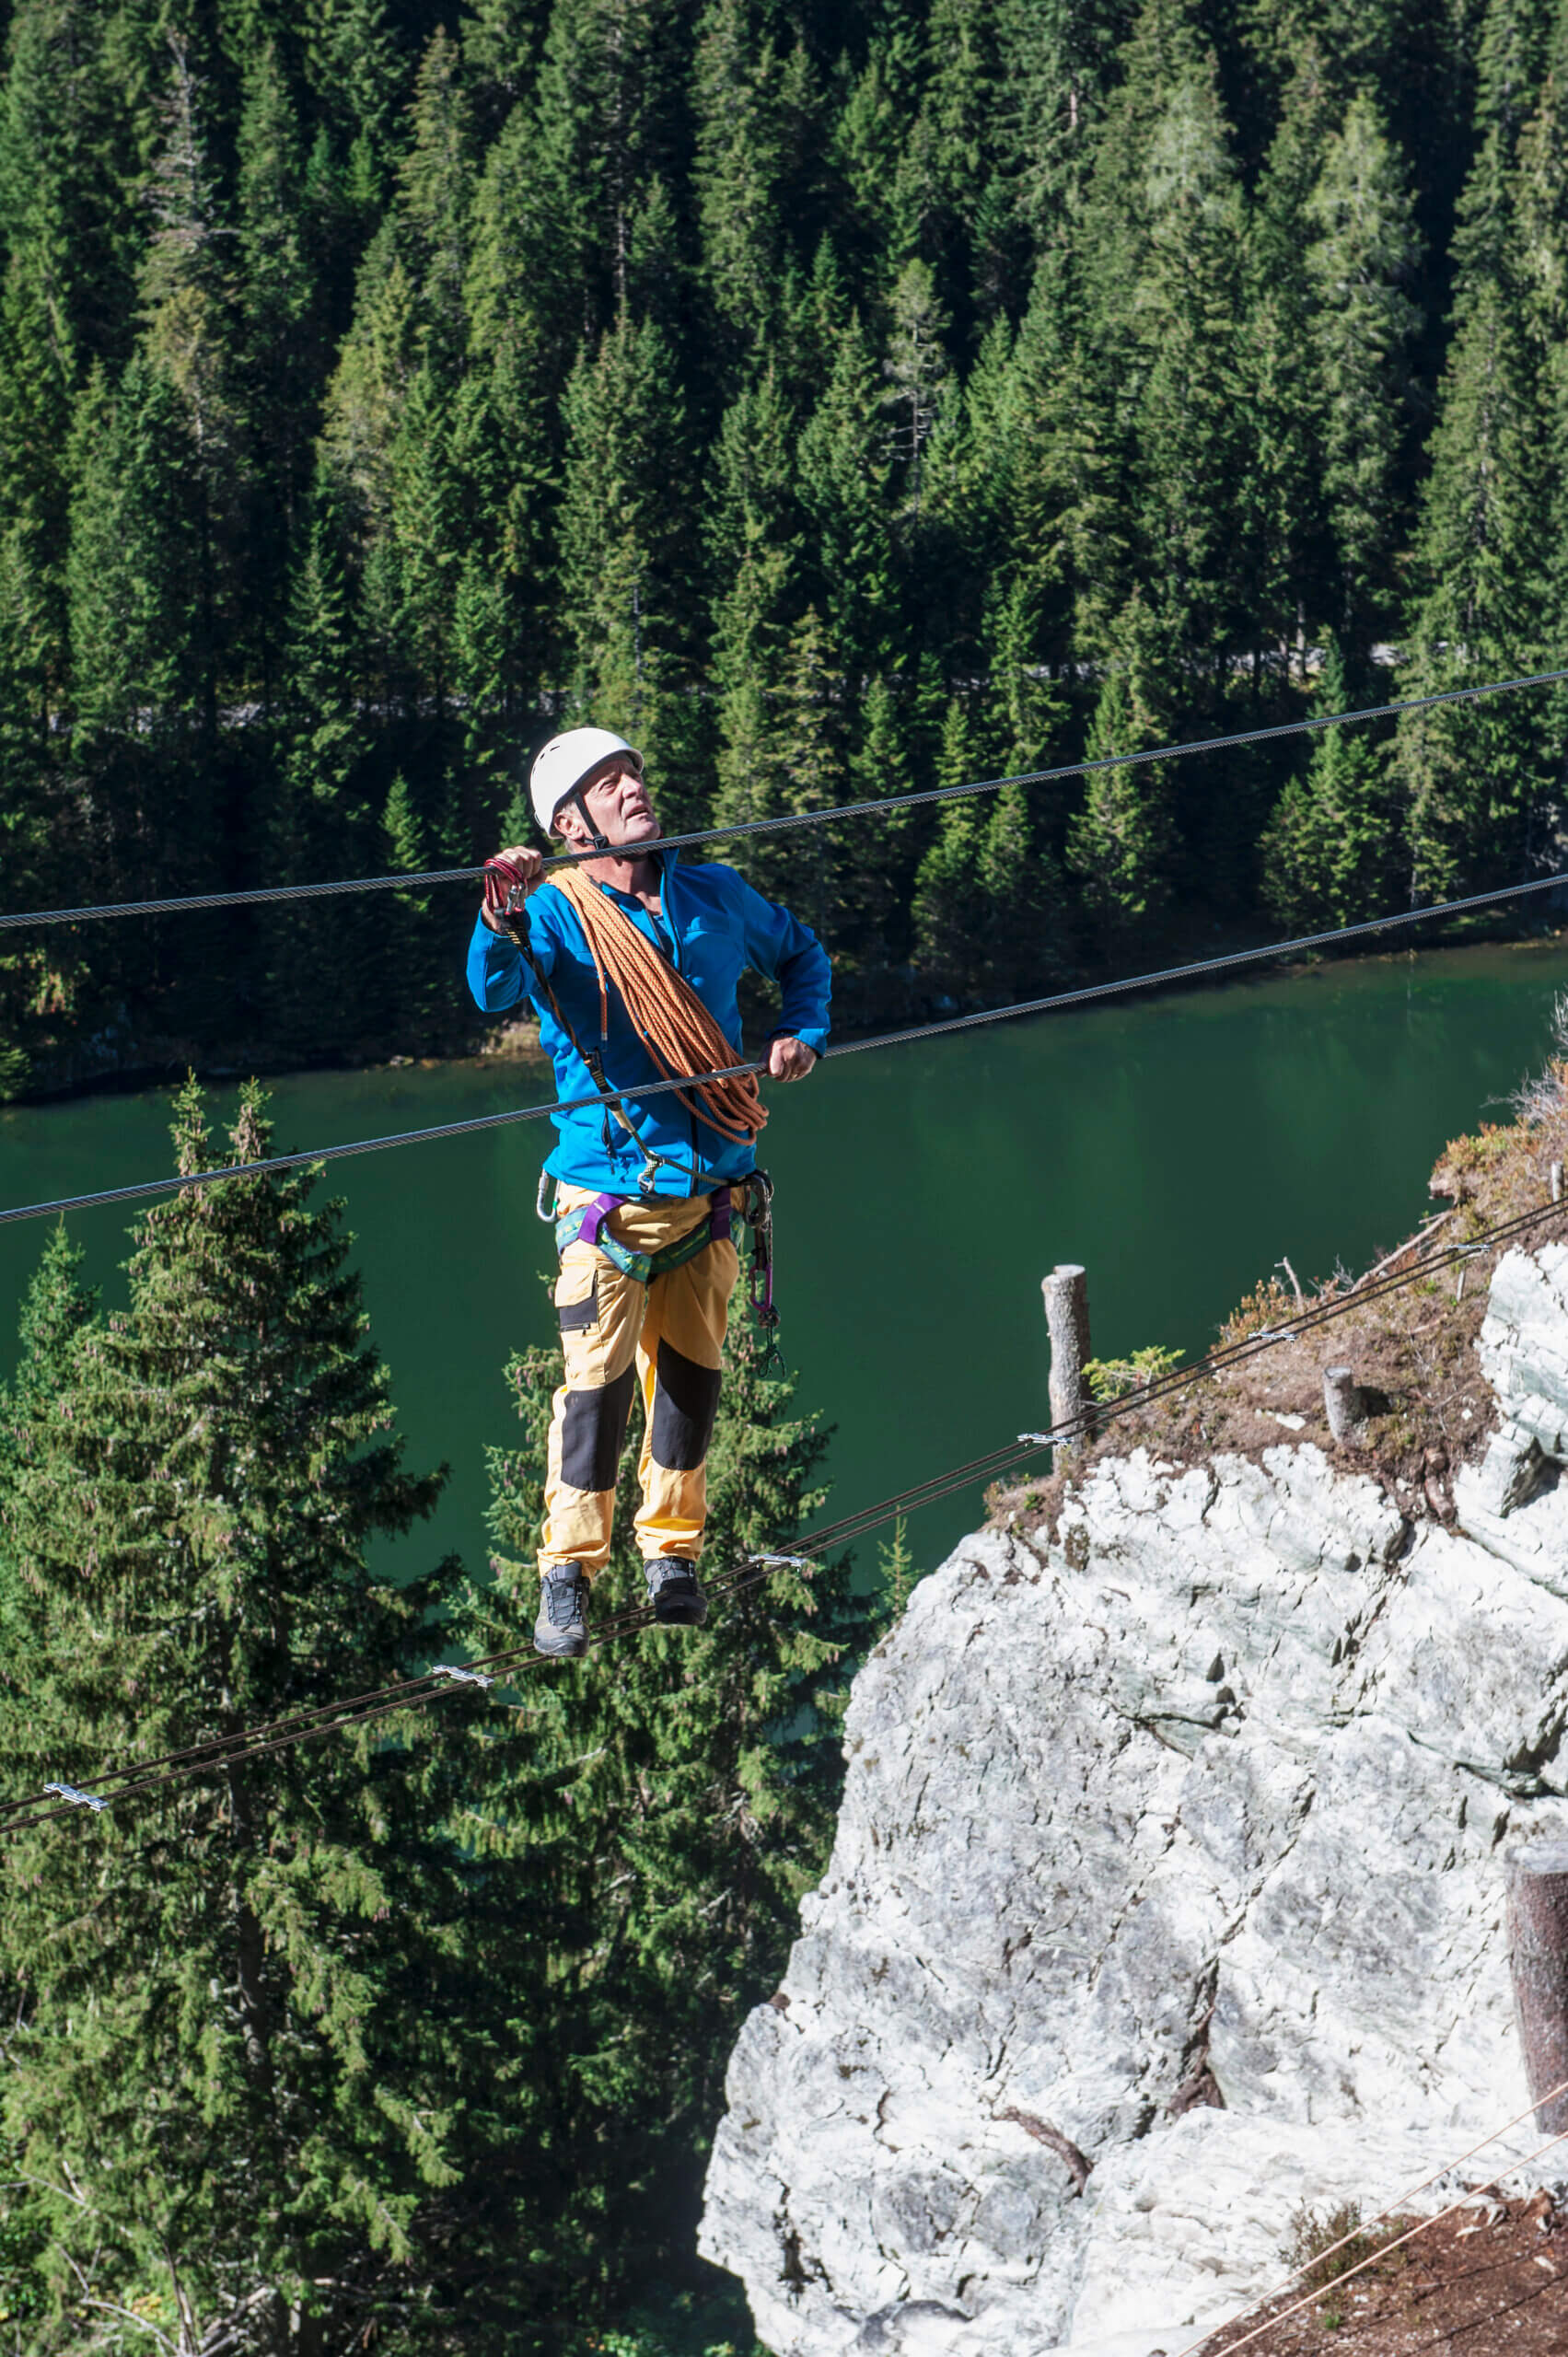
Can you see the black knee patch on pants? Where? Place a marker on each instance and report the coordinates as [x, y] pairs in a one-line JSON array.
[[686, 1400], [593, 1431]]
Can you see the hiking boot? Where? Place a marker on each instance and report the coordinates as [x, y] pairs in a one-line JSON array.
[[562, 1628], [675, 1591]]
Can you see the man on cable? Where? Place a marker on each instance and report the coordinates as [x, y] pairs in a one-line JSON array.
[[633, 960]]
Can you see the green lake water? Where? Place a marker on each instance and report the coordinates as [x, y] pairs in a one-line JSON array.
[[1177, 1147]]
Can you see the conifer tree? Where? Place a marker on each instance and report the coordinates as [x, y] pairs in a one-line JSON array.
[[249, 2059], [357, 67], [843, 474], [740, 167], [1360, 265], [686, 1785], [56, 1310], [1285, 529], [186, 300], [1332, 851], [608, 115], [135, 572], [315, 823], [436, 193], [1481, 782], [279, 361], [1059, 63], [418, 983], [916, 372], [1189, 456], [1121, 841], [71, 153], [626, 534], [950, 918], [872, 130]]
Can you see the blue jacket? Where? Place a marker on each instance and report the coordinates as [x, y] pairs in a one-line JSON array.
[[714, 925]]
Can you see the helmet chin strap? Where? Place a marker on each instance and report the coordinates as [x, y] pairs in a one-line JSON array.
[[600, 841]]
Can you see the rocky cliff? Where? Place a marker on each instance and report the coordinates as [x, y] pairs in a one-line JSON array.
[[1167, 1898]]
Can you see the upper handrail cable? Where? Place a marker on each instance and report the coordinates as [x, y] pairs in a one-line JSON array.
[[791, 819], [1227, 961]]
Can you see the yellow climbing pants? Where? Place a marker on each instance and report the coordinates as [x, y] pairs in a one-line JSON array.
[[667, 1336]]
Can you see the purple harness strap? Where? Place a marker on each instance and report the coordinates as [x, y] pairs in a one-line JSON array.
[[599, 1211]]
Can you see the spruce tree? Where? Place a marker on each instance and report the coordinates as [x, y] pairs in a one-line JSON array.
[[845, 473], [56, 1310], [249, 2062], [435, 198], [1120, 843], [315, 824], [279, 368], [1285, 529], [627, 542], [1332, 851], [188, 342], [673, 1796], [1360, 265], [135, 564], [950, 918], [1481, 778], [740, 168]]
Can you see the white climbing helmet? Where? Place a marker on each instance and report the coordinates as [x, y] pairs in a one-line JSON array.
[[567, 762]]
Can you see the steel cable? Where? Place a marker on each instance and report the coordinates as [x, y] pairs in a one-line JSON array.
[[1401, 2201], [1361, 2265], [324, 1719], [1227, 961], [256, 1743], [791, 821]]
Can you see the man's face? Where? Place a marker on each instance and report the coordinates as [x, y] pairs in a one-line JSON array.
[[620, 806]]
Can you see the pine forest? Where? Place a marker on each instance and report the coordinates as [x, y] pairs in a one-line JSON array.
[[836, 399]]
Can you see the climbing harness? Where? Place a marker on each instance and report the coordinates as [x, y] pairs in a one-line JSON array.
[[588, 1223]]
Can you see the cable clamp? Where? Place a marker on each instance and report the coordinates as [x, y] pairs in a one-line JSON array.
[[78, 1800], [460, 1677], [795, 1562]]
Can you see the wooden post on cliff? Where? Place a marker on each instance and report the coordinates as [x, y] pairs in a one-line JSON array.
[[1536, 1879], [1341, 1401], [1066, 1292]]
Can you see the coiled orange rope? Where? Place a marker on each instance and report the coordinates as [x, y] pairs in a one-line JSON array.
[[667, 1015]]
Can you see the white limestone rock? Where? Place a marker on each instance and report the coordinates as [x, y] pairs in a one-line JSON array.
[[1206, 1803]]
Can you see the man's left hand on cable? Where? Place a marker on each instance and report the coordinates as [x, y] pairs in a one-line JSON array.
[[789, 1059]]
